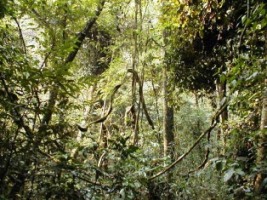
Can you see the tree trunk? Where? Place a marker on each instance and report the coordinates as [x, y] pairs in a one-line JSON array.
[[221, 95], [135, 112], [262, 149], [168, 129], [103, 139], [262, 142], [168, 123]]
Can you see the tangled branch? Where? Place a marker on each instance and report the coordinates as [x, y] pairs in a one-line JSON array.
[[214, 123]]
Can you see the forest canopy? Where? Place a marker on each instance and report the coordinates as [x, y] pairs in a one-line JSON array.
[[135, 99]]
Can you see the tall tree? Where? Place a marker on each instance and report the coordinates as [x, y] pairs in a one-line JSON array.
[[168, 125], [260, 182], [262, 150]]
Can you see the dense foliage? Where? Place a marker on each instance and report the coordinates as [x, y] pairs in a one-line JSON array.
[[112, 99]]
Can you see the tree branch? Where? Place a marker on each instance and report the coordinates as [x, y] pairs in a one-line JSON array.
[[81, 36], [205, 159], [102, 119], [21, 35], [16, 115], [69, 59], [150, 122], [208, 131]]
